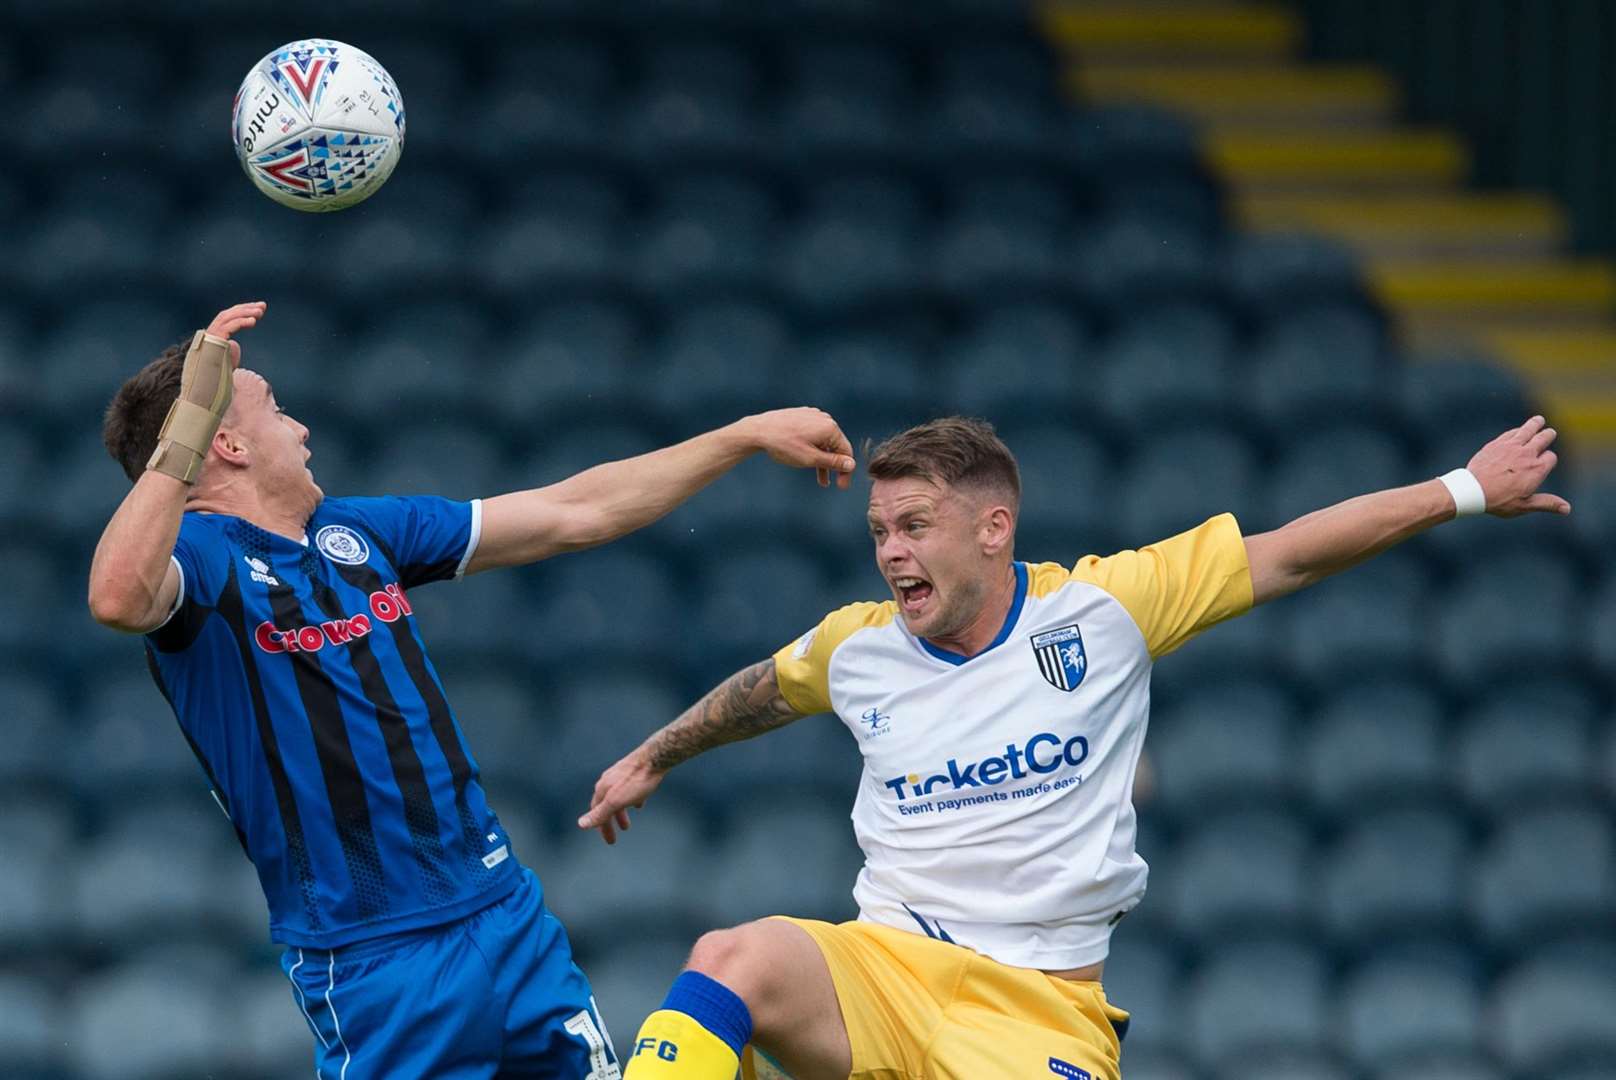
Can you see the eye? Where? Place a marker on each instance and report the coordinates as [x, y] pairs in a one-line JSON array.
[[915, 526], [877, 532]]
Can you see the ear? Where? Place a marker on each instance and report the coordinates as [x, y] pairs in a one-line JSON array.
[[996, 527], [230, 447]]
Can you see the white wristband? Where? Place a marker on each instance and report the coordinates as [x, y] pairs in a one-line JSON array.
[[1468, 498]]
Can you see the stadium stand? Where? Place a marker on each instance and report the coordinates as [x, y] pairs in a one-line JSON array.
[[1383, 834]]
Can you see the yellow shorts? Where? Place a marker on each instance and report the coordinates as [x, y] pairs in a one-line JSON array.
[[921, 1009]]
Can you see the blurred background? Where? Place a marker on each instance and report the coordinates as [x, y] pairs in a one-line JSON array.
[[1188, 256]]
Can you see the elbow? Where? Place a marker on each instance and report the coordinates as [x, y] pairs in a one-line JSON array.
[[116, 608]]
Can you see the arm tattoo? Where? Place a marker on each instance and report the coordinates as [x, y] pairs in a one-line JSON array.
[[747, 703]]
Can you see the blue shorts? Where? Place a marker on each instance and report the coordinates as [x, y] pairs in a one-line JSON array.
[[495, 994]]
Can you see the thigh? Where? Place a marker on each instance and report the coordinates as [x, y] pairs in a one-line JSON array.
[[1012, 1022], [420, 1010], [552, 1026], [889, 987]]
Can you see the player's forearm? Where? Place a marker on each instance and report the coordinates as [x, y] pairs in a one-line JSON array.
[[1337, 537], [747, 703], [132, 558]]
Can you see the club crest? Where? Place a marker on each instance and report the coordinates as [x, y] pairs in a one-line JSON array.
[[341, 544], [1061, 658]]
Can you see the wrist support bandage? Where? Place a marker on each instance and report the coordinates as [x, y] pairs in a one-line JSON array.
[[194, 418]]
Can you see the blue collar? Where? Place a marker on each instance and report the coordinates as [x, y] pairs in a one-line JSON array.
[[957, 659]]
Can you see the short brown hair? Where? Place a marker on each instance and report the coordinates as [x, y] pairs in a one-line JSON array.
[[136, 414], [959, 451]]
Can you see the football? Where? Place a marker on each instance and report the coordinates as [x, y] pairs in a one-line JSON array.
[[318, 125]]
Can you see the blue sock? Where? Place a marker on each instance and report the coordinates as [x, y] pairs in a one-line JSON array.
[[712, 1005]]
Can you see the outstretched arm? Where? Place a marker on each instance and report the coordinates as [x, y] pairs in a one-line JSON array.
[[747, 703], [1510, 469], [610, 500]]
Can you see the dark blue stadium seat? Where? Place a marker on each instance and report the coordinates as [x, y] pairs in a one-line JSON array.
[[1133, 262], [1017, 361], [75, 114], [1479, 634], [758, 871], [85, 358], [1035, 196], [630, 975], [593, 723], [271, 1039], [1476, 1066], [31, 1032], [1325, 366], [703, 65], [1325, 466], [823, 126], [111, 1016], [35, 708], [870, 372], [1229, 745], [1180, 478], [1395, 872], [658, 873], [725, 199], [406, 257], [543, 252], [1288, 1064], [1548, 870], [35, 895], [1146, 977], [1271, 273], [1556, 1006], [569, 363], [1240, 872], [719, 361], [1533, 736], [1148, 1063], [1067, 500], [834, 266], [434, 359], [973, 124], [752, 600], [1438, 391], [1172, 369], [581, 604], [670, 124], [569, 190], [997, 255], [131, 740], [1601, 630], [1370, 622], [1258, 998], [1376, 743], [437, 456], [1394, 1009]]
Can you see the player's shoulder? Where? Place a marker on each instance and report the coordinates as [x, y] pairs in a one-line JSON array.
[[836, 628]]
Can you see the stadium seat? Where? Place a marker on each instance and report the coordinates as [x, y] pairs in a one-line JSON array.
[[1321, 368], [752, 600], [758, 872], [1392, 1010], [1180, 478], [1478, 635], [1545, 870], [1438, 391], [1272, 273], [501, 712], [453, 459], [986, 123], [480, 618], [1146, 1063], [1325, 466], [101, 344], [1166, 371], [1254, 999], [1133, 262], [591, 605], [1067, 496], [869, 372], [1034, 196], [1016, 362], [74, 114], [810, 759], [1146, 977], [631, 975], [683, 125], [836, 266], [989, 256], [272, 1038], [1532, 737], [1288, 1064], [1396, 872], [411, 257], [36, 587], [657, 875], [31, 1033], [824, 126], [434, 359], [596, 724], [1240, 872], [704, 65], [34, 898], [1377, 743], [1556, 1006], [571, 363], [1478, 1066], [684, 258], [543, 253], [570, 190], [1369, 622], [111, 1018], [1228, 745], [130, 737], [718, 361], [35, 707]]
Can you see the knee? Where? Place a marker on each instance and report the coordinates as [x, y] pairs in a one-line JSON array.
[[734, 957]]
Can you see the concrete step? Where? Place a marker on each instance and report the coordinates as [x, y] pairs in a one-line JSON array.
[[1281, 95], [1420, 225], [1338, 161], [1233, 33]]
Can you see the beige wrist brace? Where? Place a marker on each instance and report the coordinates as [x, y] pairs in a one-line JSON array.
[[194, 418]]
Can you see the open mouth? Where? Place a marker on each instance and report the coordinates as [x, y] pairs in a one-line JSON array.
[[913, 591]]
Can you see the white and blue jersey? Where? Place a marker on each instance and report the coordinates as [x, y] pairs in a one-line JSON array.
[[302, 682]]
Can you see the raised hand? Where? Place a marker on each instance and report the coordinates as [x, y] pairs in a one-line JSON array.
[[806, 438], [231, 319], [1513, 466]]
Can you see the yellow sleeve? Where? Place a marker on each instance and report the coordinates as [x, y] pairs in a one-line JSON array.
[[803, 667], [1178, 587]]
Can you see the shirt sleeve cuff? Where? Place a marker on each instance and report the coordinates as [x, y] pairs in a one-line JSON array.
[[473, 540], [179, 597]]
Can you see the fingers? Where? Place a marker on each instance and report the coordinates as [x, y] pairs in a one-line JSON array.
[[239, 317], [1528, 430], [1542, 439], [1544, 502]]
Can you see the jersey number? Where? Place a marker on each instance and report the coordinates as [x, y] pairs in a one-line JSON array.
[[585, 1024]]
